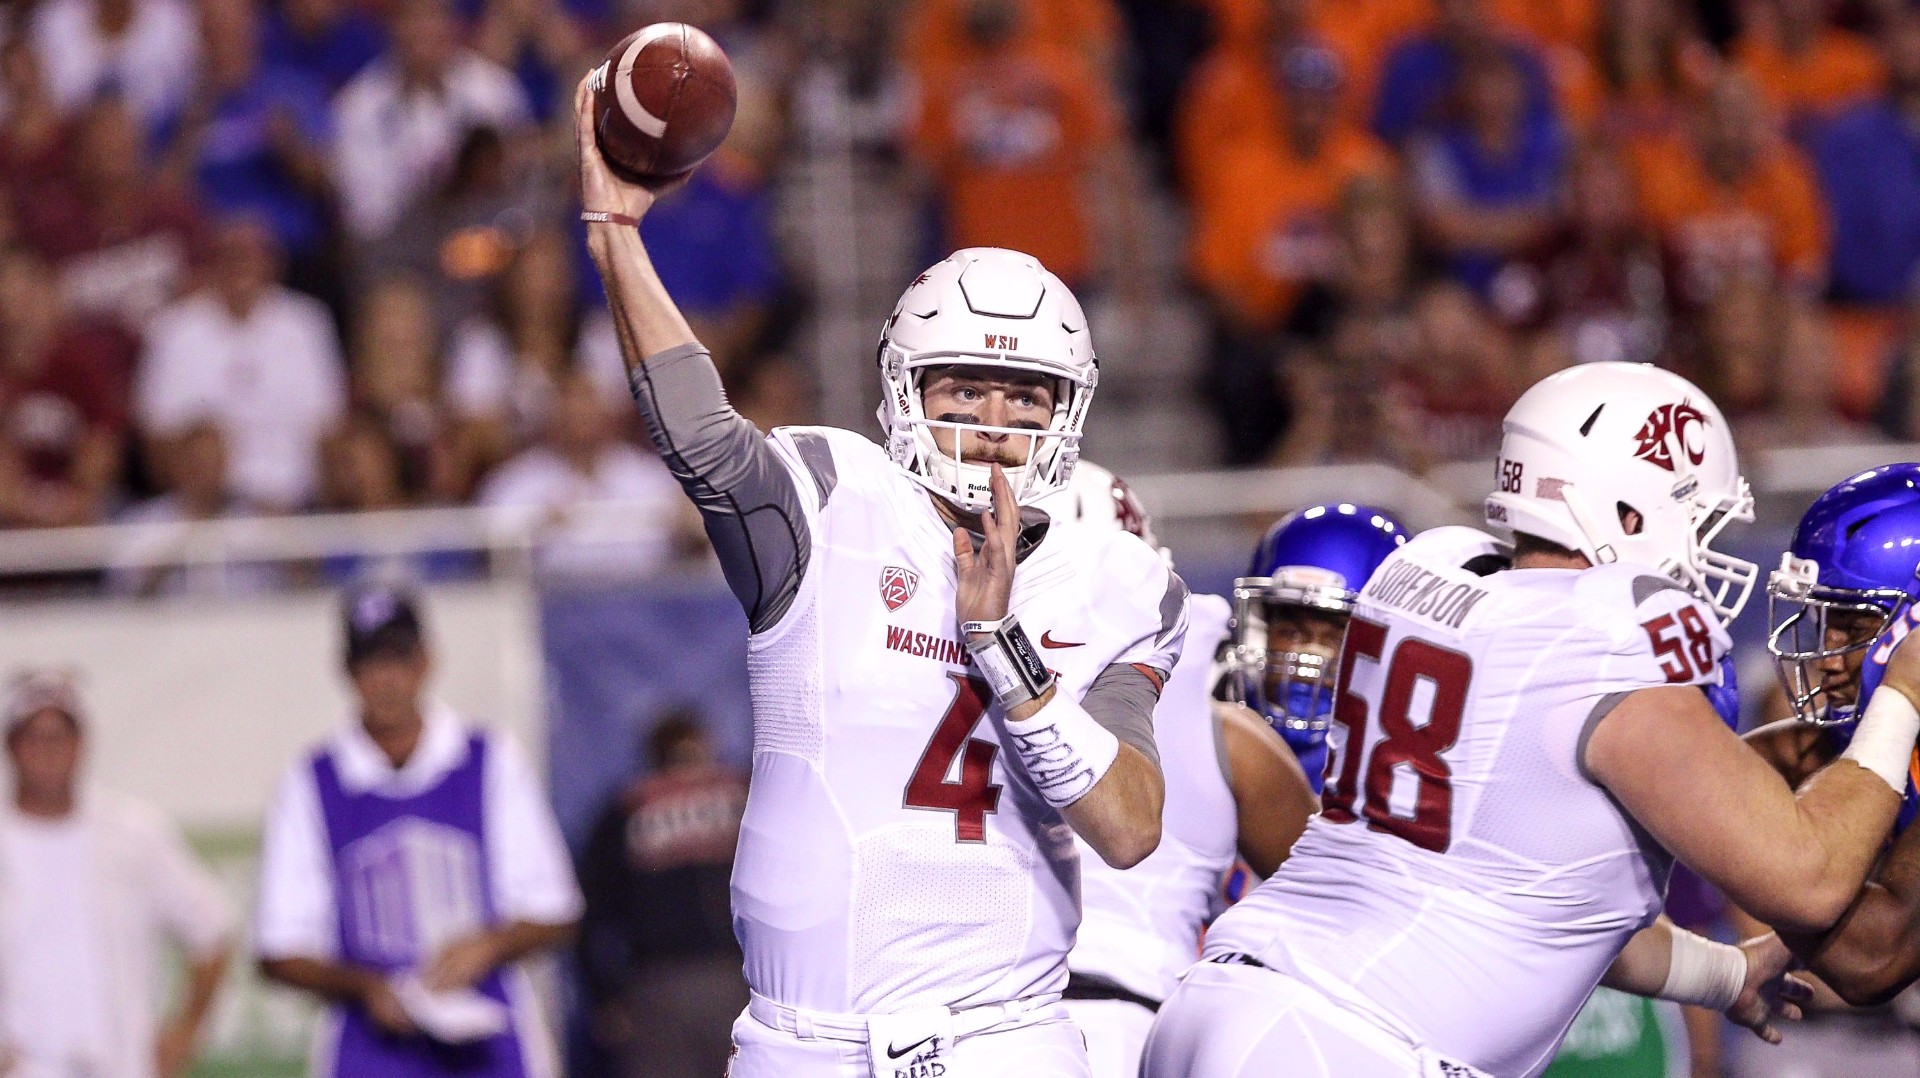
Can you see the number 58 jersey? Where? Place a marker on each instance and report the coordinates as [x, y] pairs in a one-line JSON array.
[[1467, 883], [893, 855]]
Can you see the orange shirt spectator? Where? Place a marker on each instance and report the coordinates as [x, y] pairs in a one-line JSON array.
[[1230, 104], [1803, 66], [1269, 228], [936, 36], [1568, 23], [1011, 138], [1360, 33], [1732, 202], [1264, 225]]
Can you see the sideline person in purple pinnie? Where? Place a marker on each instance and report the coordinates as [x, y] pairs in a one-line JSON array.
[[407, 863]]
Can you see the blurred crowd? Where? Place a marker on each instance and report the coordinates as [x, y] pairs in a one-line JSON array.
[[269, 256]]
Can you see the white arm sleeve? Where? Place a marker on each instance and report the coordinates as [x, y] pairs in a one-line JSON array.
[[532, 874], [295, 917], [187, 899]]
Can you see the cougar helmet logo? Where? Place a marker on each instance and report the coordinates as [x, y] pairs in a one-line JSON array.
[[1667, 426], [1127, 510]]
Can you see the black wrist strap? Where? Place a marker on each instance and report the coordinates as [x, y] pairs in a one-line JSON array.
[[1008, 660]]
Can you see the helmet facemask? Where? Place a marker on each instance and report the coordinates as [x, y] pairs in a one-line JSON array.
[[930, 449], [1815, 626], [1292, 687]]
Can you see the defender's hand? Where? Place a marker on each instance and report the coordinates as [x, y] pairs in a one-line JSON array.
[[1770, 992], [986, 578], [600, 189]]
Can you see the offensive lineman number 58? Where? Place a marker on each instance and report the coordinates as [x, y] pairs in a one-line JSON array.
[[1402, 743]]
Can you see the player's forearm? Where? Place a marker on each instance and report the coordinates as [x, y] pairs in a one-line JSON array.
[[1643, 963], [1272, 798], [1120, 816], [1873, 952], [1792, 860], [1842, 817], [645, 318]]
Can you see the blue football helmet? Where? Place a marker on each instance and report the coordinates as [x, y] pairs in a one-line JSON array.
[[1850, 575], [1308, 568]]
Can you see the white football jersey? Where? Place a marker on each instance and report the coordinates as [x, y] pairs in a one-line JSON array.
[[1140, 928], [1466, 883], [891, 857]]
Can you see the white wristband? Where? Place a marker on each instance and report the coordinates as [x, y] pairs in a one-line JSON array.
[[1063, 749], [1883, 740], [1704, 973]]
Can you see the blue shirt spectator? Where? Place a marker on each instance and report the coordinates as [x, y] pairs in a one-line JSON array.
[[1488, 183], [242, 167], [254, 136], [1419, 80], [326, 39], [1869, 164], [714, 241]]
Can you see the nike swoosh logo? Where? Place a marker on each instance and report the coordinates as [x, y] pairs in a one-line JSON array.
[[1047, 641], [896, 1053]]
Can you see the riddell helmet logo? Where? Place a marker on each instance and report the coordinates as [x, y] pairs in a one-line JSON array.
[[1670, 425], [897, 586]]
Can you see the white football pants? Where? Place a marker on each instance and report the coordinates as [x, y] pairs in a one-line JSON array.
[[1116, 1031], [1045, 1045], [1233, 1021]]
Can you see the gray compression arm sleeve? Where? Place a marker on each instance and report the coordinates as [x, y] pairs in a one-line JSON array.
[[1121, 699], [745, 494]]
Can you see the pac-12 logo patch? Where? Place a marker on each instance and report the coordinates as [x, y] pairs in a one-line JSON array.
[[897, 586]]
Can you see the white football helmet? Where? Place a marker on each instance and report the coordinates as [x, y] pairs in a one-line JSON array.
[[1587, 444], [985, 307], [1101, 499]]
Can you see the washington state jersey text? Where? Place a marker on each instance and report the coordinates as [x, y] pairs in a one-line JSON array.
[[926, 646]]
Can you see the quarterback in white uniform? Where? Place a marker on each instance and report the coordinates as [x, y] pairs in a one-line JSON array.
[[1516, 760], [948, 685], [1233, 787]]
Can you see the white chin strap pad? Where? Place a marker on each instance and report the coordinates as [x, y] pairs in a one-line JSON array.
[[971, 485]]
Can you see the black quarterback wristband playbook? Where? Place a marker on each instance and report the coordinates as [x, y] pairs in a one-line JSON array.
[[1008, 660]]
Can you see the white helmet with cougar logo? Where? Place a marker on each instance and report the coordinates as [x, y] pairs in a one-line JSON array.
[[1587, 444], [985, 307], [1101, 499]]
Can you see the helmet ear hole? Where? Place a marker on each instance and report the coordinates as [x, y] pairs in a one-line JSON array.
[[1630, 519]]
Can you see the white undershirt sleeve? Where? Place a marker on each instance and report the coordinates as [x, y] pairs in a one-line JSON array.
[[294, 915], [186, 896], [531, 872]]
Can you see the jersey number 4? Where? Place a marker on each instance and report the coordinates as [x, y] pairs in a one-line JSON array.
[[972, 796], [1401, 743]]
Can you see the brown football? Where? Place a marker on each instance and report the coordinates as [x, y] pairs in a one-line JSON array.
[[662, 102]]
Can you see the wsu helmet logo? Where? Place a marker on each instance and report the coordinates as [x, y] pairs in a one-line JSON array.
[[897, 585], [1670, 425]]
